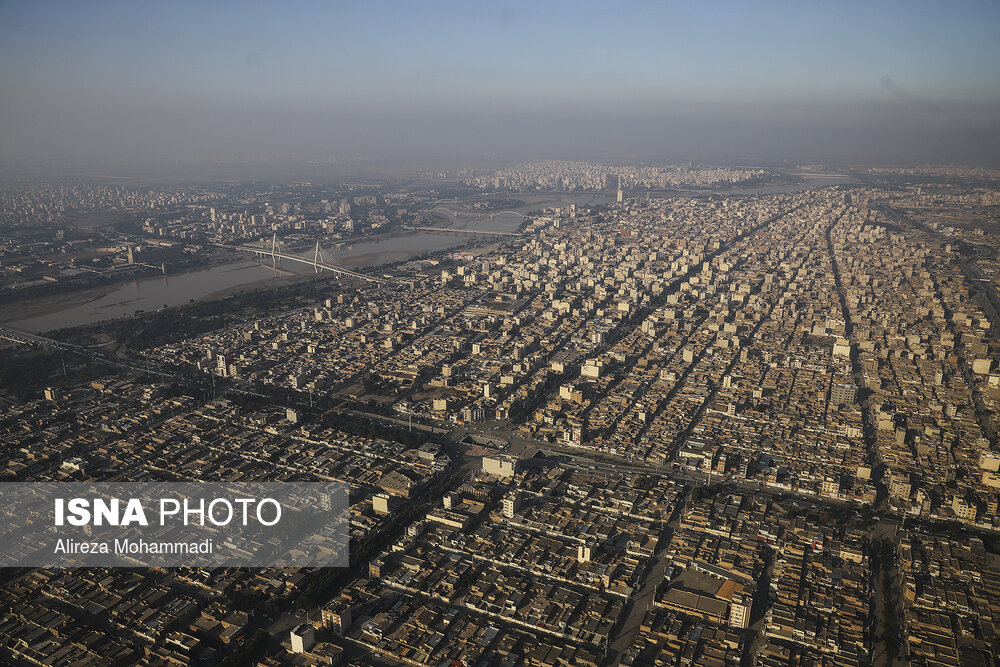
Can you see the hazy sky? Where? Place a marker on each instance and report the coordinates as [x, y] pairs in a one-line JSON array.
[[143, 83]]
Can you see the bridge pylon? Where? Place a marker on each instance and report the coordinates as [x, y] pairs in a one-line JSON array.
[[275, 251], [318, 260]]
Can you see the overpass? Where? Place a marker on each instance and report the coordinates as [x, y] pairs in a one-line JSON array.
[[28, 338], [317, 262], [92, 354]]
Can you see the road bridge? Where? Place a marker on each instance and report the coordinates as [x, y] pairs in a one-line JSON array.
[[471, 232], [317, 262]]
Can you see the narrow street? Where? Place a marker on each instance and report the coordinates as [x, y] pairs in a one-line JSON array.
[[642, 599]]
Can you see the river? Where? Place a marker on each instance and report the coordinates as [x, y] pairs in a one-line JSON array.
[[174, 290]]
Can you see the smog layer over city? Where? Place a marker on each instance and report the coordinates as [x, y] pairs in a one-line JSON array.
[[499, 334]]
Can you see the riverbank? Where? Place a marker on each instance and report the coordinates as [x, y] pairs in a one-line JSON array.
[[37, 307]]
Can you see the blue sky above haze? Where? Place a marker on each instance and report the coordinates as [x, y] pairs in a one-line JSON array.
[[138, 82]]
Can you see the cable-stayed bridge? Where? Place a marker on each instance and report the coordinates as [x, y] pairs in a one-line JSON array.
[[318, 261]]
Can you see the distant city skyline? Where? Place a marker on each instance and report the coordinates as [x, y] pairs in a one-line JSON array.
[[148, 84]]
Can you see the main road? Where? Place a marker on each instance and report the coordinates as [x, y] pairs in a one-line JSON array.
[[28, 338]]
